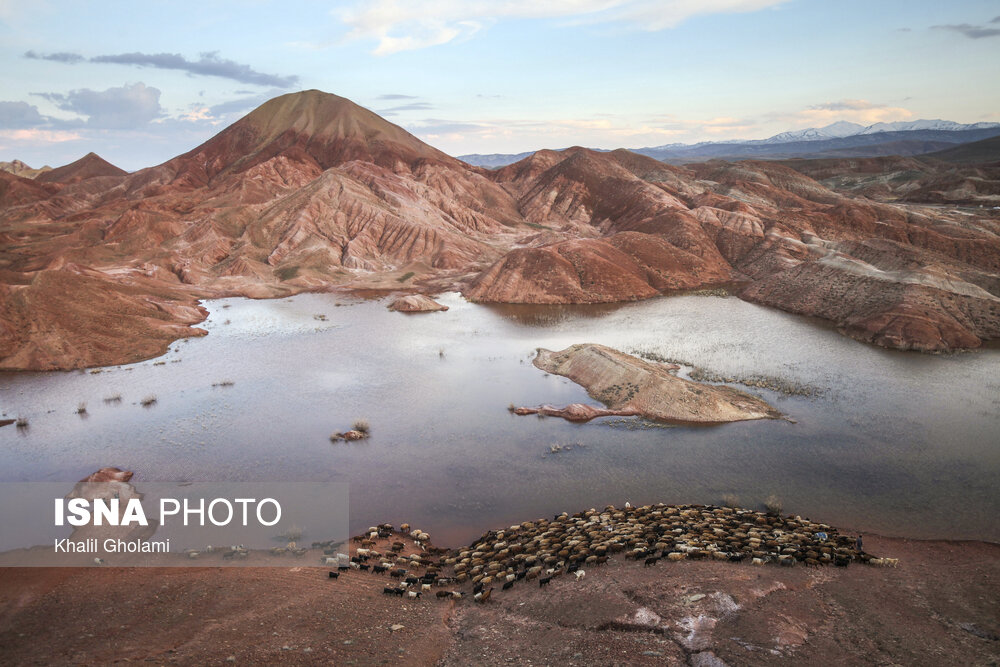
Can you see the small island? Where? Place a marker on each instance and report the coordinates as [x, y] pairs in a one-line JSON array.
[[629, 386]]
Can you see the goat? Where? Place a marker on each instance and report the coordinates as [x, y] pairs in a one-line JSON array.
[[333, 575], [544, 581], [508, 585]]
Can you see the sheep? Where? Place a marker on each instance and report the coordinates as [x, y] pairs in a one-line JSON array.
[[413, 595], [425, 587], [651, 561], [398, 574], [676, 556], [388, 590], [579, 574], [757, 561]]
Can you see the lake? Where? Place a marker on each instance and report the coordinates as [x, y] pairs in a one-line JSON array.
[[895, 443]]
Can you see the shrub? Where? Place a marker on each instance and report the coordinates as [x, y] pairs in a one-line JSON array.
[[730, 500], [81, 409], [362, 426], [773, 505], [148, 401], [114, 398], [22, 422]]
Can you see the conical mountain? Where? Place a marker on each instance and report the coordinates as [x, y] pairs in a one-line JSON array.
[[312, 126], [90, 165]]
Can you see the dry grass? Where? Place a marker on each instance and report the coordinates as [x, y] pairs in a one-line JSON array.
[[22, 422], [730, 500], [362, 426], [81, 409], [113, 398], [148, 401]]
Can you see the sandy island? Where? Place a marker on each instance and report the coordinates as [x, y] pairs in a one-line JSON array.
[[630, 386]]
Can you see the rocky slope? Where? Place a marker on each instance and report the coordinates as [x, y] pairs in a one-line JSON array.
[[311, 191]]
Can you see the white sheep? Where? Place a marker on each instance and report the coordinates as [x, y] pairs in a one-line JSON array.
[[579, 574]]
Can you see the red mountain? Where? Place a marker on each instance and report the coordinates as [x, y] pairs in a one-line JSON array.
[[90, 165], [311, 191]]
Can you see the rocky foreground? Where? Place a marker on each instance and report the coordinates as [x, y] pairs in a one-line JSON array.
[[939, 606], [312, 192]]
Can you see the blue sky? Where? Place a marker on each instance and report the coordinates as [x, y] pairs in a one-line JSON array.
[[141, 82]]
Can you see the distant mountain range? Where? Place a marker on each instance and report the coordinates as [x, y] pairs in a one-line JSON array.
[[840, 139]]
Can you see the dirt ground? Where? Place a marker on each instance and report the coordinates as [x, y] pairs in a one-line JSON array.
[[941, 606]]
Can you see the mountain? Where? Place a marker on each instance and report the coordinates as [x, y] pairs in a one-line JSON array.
[[90, 165], [313, 192], [934, 125], [832, 131], [840, 139], [19, 168], [493, 160], [977, 152]]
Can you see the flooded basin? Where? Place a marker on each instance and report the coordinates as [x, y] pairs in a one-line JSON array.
[[891, 442]]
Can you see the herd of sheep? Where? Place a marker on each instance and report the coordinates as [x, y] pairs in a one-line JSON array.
[[544, 548]]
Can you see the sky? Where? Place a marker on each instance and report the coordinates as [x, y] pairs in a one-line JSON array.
[[139, 83]]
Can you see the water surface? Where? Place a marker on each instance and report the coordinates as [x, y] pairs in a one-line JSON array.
[[896, 443]]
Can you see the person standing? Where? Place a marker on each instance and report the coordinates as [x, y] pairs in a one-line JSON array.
[[858, 545]]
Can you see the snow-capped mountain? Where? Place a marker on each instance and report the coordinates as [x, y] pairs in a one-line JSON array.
[[910, 125], [841, 128]]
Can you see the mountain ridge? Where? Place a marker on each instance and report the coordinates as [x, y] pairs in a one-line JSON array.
[[852, 138], [312, 192]]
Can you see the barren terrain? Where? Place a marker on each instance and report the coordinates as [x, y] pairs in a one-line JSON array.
[[940, 606]]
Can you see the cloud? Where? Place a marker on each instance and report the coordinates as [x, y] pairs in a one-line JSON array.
[[972, 31], [61, 57], [397, 96], [856, 111], [243, 103], [414, 106], [405, 26], [209, 64], [40, 136], [126, 107], [17, 115]]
